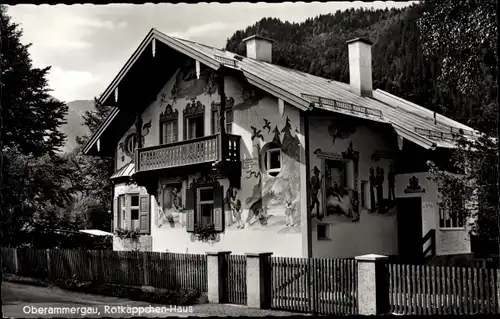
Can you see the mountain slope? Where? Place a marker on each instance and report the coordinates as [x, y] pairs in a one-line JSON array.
[[74, 126], [318, 46]]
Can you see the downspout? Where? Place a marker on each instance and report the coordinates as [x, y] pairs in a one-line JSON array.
[[308, 178], [222, 115]]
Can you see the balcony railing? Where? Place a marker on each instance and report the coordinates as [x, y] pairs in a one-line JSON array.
[[190, 152]]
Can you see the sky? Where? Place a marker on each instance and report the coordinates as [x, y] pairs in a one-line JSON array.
[[87, 45]]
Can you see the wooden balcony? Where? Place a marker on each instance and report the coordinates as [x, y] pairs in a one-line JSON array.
[[202, 150]]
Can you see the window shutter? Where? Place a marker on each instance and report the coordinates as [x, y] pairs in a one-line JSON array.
[[115, 214], [126, 223], [219, 208], [144, 214], [190, 205]]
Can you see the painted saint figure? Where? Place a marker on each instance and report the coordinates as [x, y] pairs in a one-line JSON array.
[[372, 193], [315, 188]]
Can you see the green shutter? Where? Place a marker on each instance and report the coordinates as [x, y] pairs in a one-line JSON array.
[[144, 214], [190, 208], [219, 208]]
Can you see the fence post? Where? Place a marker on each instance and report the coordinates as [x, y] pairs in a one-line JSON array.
[[49, 272], [145, 267], [16, 262], [259, 280], [216, 276], [373, 284]]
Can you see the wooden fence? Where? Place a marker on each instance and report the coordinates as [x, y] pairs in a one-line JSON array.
[[160, 270], [417, 289], [317, 285], [236, 279]]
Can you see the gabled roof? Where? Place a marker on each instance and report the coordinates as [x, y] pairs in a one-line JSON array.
[[305, 91]]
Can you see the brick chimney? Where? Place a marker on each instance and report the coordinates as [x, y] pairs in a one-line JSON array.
[[259, 48], [360, 66]]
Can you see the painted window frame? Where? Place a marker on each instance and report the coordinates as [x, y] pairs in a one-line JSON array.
[[199, 203], [130, 142], [273, 171]]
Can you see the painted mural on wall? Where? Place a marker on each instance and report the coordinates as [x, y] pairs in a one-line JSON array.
[[188, 85], [170, 211], [274, 203], [378, 202], [336, 186]]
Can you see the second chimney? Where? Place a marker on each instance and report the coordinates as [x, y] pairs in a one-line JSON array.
[[360, 66], [259, 48]]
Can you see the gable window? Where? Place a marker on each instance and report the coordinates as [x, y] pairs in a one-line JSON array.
[[169, 132], [133, 212], [228, 120], [272, 161], [169, 125], [451, 216], [195, 126], [194, 120]]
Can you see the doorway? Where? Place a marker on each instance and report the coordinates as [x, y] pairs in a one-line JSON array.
[[410, 228]]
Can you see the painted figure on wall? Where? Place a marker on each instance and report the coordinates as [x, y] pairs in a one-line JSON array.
[[391, 179], [171, 207], [379, 185], [291, 208], [372, 192], [316, 184]]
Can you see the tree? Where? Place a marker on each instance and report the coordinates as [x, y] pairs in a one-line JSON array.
[[30, 116], [35, 180], [463, 34], [93, 173]]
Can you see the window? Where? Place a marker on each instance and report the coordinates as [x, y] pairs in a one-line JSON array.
[[195, 126], [205, 206], [272, 161], [133, 212], [169, 132], [323, 231], [451, 216], [228, 119]]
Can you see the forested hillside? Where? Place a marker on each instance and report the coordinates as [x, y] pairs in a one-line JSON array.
[[318, 46]]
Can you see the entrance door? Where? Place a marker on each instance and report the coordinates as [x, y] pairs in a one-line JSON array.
[[410, 228]]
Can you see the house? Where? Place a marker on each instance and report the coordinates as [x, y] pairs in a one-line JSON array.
[[215, 151]]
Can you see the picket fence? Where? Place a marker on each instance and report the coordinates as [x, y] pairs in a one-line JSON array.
[[312, 285], [423, 290], [160, 270]]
